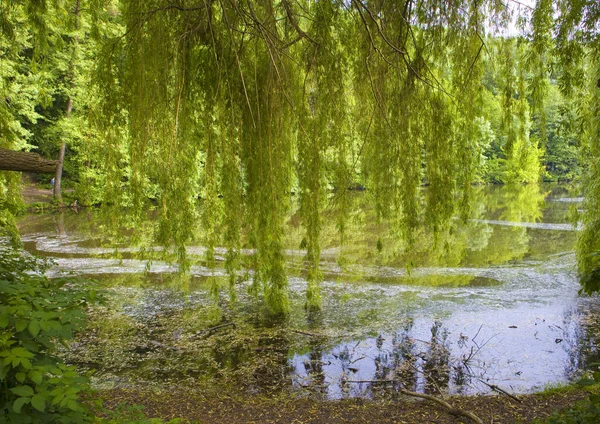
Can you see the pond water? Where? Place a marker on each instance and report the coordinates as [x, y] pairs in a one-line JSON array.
[[495, 305]]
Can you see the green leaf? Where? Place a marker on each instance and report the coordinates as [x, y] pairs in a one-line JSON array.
[[3, 371], [35, 376], [38, 402], [72, 405], [55, 325], [26, 363], [18, 404], [58, 398], [20, 376], [21, 324], [23, 353], [31, 346], [22, 390], [3, 321], [34, 328]]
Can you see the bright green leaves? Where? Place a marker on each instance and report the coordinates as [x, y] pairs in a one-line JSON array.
[[35, 376], [21, 324], [588, 244], [23, 391], [18, 404], [62, 397], [239, 106], [35, 313], [34, 327], [38, 402], [539, 61], [323, 133], [17, 357]]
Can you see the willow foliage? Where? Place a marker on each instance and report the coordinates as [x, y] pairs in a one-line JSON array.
[[251, 100]]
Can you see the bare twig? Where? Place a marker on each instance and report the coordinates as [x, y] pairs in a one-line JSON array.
[[373, 381], [450, 408], [306, 333], [500, 390], [209, 331]]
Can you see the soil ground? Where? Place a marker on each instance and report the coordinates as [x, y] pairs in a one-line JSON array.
[[239, 409], [32, 194]]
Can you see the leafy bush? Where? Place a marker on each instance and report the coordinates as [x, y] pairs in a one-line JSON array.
[[35, 314], [586, 412]]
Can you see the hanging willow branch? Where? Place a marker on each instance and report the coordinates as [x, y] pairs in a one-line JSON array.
[[248, 101]]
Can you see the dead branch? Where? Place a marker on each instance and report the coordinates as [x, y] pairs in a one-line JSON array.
[[501, 391], [306, 333], [452, 410], [209, 331]]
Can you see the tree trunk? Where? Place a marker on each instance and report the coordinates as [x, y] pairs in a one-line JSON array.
[[61, 159], [61, 154], [58, 176], [11, 160]]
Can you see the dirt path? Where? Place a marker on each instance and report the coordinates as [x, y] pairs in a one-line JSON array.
[[32, 194], [232, 409]]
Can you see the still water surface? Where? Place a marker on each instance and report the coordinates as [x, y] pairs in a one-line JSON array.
[[496, 304]]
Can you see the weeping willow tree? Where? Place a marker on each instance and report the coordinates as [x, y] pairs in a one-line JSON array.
[[251, 100]]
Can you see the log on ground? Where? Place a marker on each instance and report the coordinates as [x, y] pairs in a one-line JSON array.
[[11, 160]]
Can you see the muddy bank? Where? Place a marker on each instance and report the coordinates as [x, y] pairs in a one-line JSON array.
[[233, 409]]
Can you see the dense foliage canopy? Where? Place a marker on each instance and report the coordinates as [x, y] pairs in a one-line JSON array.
[[242, 102]]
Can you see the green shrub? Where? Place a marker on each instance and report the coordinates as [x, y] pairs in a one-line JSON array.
[[36, 313], [585, 412]]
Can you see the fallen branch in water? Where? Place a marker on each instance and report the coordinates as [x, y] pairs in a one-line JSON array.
[[372, 381], [501, 391], [165, 346], [306, 333], [450, 408], [209, 331]]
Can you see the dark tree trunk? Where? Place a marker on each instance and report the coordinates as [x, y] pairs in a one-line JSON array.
[[11, 160], [61, 154], [61, 159], [58, 176]]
